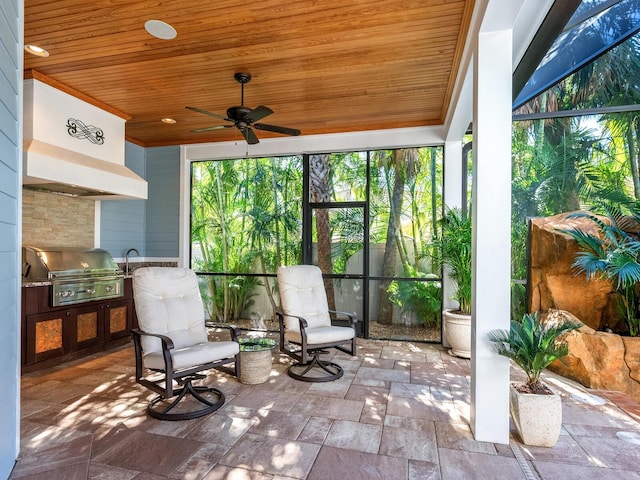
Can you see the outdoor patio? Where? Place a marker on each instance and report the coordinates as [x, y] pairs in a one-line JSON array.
[[401, 411]]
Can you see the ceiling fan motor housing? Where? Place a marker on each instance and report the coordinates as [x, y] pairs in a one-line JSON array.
[[238, 113]]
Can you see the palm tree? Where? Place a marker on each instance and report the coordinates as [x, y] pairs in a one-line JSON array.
[[319, 192], [614, 80], [210, 210]]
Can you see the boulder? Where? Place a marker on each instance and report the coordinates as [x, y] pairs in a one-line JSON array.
[[554, 282], [602, 360], [632, 356]]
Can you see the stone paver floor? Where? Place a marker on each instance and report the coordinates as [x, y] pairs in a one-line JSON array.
[[401, 412]]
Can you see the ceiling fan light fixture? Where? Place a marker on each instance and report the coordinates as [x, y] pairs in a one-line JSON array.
[[160, 29], [36, 50], [168, 120]]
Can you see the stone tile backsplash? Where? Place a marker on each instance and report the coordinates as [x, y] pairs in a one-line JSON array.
[[50, 220], [133, 266]]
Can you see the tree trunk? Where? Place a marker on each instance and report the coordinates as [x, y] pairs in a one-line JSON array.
[[633, 160], [276, 212], [434, 201], [224, 240], [320, 191], [390, 259]]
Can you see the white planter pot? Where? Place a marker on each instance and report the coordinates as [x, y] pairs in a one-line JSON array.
[[538, 418], [457, 329]]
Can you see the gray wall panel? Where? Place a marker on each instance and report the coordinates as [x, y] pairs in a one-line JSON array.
[[10, 198], [163, 206], [122, 222], [152, 225]]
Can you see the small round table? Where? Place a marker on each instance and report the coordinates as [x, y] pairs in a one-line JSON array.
[[255, 359]]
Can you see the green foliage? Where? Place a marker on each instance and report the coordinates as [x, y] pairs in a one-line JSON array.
[[518, 299], [242, 289], [532, 345], [245, 217], [452, 249], [420, 297], [258, 344], [613, 254]]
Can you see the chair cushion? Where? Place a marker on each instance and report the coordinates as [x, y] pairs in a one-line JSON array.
[[193, 355], [316, 336], [168, 302], [302, 293]]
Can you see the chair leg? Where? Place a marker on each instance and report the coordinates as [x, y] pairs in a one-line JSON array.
[[300, 371], [163, 412]]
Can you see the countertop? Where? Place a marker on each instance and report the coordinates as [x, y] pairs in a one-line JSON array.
[[42, 283], [46, 283]]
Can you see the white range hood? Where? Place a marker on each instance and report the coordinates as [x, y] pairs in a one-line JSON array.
[[74, 148]]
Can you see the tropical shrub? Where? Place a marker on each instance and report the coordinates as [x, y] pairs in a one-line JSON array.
[[452, 249], [423, 297], [613, 254]]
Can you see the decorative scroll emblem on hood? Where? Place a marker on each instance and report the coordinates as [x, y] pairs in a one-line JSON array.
[[77, 129]]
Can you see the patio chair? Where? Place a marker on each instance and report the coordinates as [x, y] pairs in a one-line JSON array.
[[306, 327], [172, 347]]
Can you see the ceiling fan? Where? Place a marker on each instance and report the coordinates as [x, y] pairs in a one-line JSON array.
[[244, 118]]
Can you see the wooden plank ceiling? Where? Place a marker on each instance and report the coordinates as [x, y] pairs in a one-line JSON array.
[[322, 66]]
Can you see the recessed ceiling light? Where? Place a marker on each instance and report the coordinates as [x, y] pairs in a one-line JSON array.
[[37, 51], [160, 29], [168, 120]]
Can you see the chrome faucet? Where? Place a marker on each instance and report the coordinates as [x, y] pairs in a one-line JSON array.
[[126, 260]]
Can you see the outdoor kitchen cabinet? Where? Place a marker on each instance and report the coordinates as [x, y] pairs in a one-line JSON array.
[[52, 335]]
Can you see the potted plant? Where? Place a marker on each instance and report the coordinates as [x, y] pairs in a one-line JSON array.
[[452, 250], [613, 253], [533, 345]]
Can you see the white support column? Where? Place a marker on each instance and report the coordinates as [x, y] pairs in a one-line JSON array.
[[452, 199], [491, 212], [453, 173]]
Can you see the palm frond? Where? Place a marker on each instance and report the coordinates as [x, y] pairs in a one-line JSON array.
[[531, 344]]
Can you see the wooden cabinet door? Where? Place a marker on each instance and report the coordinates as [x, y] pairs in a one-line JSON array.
[[48, 335], [117, 319], [87, 329]]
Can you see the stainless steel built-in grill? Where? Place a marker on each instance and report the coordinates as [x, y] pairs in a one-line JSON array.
[[76, 275]]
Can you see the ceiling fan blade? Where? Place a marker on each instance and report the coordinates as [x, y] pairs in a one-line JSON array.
[[258, 113], [217, 127], [249, 136], [277, 129], [199, 110]]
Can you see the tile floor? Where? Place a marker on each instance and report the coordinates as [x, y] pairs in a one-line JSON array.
[[401, 411]]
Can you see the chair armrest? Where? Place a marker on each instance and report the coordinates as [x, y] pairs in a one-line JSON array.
[[352, 318], [302, 320], [233, 330], [167, 343]]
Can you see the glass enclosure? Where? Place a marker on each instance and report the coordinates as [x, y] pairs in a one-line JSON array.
[[365, 218], [576, 146]]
